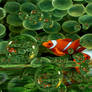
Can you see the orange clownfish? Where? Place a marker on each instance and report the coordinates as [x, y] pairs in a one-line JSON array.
[[60, 46]]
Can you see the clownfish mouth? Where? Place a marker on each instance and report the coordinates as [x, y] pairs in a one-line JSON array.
[[45, 44]]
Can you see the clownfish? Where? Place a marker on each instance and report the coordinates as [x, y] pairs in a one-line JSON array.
[[60, 46]]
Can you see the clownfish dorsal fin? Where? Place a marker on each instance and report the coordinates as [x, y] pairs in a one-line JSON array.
[[54, 44], [67, 39]]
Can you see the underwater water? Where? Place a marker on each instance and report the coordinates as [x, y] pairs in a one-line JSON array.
[[45, 45]]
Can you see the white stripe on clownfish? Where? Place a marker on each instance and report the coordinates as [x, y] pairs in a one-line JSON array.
[[54, 44], [67, 46]]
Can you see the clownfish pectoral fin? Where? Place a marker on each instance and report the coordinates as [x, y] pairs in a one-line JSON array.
[[67, 39], [59, 53]]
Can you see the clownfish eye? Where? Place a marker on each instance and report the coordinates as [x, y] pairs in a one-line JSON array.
[[49, 44]]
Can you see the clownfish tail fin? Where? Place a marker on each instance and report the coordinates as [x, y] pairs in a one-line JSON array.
[[80, 49]]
